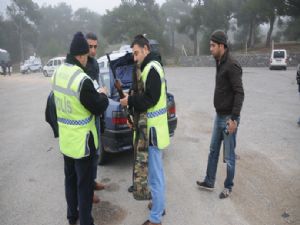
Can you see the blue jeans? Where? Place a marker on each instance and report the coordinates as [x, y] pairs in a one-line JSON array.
[[156, 182], [229, 143]]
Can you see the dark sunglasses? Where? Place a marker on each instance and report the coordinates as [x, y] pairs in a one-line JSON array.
[[93, 46]]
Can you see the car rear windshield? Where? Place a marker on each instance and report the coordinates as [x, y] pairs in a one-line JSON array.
[[278, 54]]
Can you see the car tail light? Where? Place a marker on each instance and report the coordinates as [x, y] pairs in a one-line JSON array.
[[172, 111], [119, 118]]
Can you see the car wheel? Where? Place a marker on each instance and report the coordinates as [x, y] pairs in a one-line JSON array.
[[45, 73], [103, 155]]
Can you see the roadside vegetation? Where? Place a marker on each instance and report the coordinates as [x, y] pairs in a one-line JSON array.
[[182, 27]]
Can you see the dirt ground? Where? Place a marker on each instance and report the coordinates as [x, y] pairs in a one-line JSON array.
[[267, 182]]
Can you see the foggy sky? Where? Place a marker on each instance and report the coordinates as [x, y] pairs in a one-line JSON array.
[[98, 6]]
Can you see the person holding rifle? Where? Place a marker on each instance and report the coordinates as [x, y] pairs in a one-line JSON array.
[[152, 100]]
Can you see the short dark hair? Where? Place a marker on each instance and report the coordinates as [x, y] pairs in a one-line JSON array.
[[141, 41], [91, 36]]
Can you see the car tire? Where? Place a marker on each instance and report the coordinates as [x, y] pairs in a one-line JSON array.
[[45, 73], [103, 155]]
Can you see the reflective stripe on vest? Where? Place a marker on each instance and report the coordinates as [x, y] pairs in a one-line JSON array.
[[67, 90], [75, 122], [157, 115]]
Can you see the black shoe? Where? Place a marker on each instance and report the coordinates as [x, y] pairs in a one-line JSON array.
[[130, 189], [72, 222], [205, 185], [225, 193]]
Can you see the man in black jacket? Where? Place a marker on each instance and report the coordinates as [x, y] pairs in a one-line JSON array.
[[92, 70], [228, 101]]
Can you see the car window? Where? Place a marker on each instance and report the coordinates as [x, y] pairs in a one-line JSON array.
[[278, 54], [50, 63], [55, 63], [58, 62], [104, 80]]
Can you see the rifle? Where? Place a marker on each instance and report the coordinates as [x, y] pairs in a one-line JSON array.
[[118, 86]]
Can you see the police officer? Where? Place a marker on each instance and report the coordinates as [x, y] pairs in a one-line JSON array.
[[153, 101], [92, 69], [77, 103]]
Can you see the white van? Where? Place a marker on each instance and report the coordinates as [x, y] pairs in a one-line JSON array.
[[52, 64], [278, 59]]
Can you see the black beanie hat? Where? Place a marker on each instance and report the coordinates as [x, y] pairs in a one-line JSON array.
[[219, 37], [79, 45]]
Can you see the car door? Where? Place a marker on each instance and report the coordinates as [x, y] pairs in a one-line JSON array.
[[49, 67]]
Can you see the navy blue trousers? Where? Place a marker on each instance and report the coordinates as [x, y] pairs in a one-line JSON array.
[[79, 188]]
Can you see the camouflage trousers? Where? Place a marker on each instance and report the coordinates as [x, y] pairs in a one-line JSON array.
[[140, 171]]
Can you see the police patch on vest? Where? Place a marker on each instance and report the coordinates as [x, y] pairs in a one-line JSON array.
[[63, 105]]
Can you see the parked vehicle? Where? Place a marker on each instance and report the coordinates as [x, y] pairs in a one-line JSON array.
[[117, 136], [124, 49], [278, 59], [103, 62], [4, 61], [33, 64], [52, 64]]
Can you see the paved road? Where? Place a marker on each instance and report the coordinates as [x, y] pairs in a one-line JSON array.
[[267, 184]]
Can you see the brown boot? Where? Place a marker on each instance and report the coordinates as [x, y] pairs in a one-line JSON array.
[[96, 199], [147, 222], [99, 186]]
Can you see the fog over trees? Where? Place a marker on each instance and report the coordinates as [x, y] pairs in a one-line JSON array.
[[47, 31]]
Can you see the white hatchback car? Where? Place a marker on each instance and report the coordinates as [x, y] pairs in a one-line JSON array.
[[52, 64], [278, 59]]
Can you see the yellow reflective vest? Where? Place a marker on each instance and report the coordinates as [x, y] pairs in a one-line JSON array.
[[157, 115], [75, 122]]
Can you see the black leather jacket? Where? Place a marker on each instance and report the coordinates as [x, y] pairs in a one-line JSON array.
[[229, 91]]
